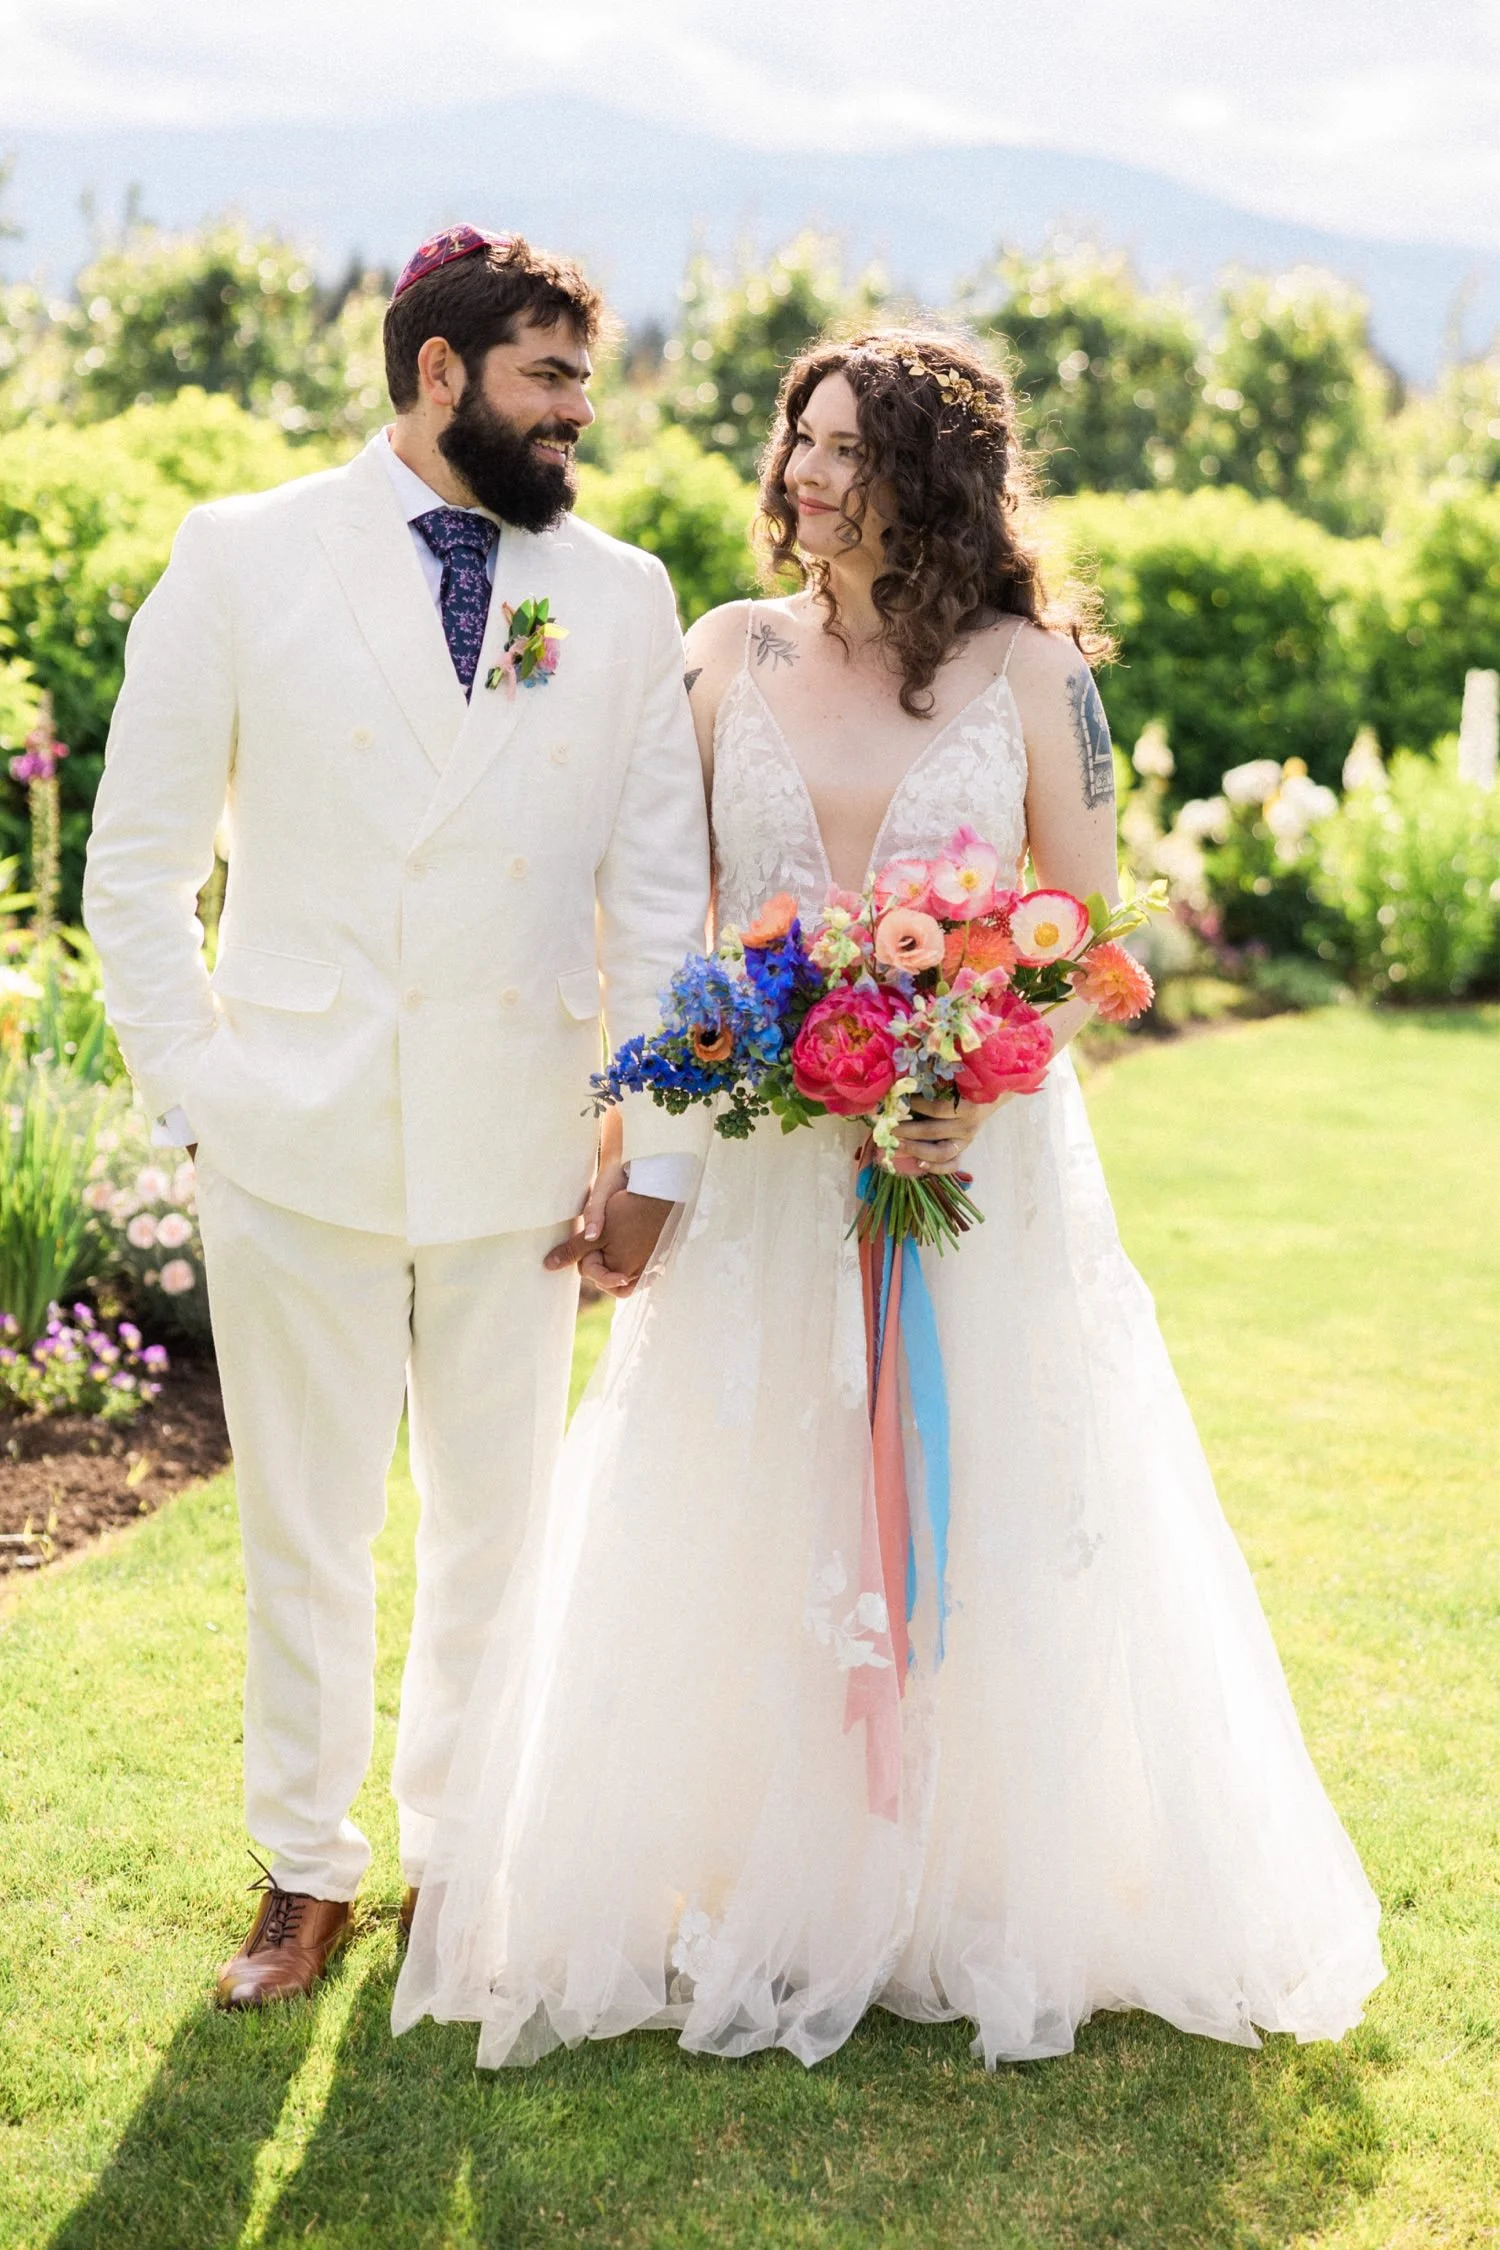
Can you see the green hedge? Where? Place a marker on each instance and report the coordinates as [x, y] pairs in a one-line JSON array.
[[685, 505], [1238, 626], [1432, 614], [87, 518]]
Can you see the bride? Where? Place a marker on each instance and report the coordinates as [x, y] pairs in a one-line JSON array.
[[657, 1816]]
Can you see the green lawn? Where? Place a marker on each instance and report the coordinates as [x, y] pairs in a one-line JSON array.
[[1316, 1202]]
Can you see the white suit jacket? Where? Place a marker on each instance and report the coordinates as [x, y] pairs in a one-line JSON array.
[[429, 901]]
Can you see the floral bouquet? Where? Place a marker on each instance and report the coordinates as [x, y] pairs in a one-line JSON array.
[[935, 982]]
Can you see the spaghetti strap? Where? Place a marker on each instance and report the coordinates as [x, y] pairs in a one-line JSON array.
[[749, 621], [1010, 652]]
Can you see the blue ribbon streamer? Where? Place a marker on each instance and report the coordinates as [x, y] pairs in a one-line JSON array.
[[928, 1390]]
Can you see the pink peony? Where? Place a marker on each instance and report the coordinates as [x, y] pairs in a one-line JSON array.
[[1015, 1047], [141, 1232], [904, 882], [844, 1055], [177, 1277], [908, 940], [173, 1230], [1048, 926], [963, 880], [1114, 983]]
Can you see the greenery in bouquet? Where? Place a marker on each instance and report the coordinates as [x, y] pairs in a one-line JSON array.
[[144, 1227], [80, 1364], [933, 984]]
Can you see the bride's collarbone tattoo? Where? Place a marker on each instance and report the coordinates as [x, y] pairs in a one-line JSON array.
[[771, 647]]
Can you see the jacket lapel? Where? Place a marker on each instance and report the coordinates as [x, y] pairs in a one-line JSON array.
[[369, 546], [528, 566]]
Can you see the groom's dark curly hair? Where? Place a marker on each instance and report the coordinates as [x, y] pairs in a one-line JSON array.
[[477, 302], [944, 456]]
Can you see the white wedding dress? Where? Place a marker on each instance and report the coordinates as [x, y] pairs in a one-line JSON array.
[[657, 1816]]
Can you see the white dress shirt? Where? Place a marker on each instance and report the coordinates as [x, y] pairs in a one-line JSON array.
[[672, 1179]]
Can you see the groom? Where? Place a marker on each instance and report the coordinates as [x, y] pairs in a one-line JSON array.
[[446, 860]]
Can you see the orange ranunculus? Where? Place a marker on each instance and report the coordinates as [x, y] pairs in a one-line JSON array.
[[773, 921], [717, 1049], [983, 946]]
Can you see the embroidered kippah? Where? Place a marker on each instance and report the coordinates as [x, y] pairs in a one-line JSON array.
[[443, 249]]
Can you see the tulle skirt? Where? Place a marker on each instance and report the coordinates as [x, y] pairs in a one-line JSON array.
[[658, 1815]]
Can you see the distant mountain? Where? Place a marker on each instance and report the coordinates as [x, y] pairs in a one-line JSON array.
[[632, 197]]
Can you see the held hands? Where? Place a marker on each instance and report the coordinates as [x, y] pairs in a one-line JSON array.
[[936, 1137], [615, 1234]]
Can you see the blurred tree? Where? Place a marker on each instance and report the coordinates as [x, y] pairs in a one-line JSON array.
[[1456, 433], [1106, 371], [225, 310], [1294, 400], [687, 506], [740, 332]]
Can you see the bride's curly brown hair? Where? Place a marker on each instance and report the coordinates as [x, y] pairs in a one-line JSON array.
[[943, 455]]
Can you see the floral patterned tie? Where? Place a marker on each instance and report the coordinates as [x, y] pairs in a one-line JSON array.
[[462, 541]]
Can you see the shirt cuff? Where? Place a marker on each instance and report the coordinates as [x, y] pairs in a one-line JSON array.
[[671, 1178], [172, 1131]]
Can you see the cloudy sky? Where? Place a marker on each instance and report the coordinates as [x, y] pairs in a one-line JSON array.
[[1363, 116]]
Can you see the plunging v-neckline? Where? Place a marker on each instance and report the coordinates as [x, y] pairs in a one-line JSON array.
[[815, 826]]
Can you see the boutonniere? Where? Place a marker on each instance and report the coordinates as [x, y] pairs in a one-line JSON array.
[[531, 647]]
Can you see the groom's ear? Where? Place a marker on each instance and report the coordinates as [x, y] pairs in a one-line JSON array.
[[441, 375]]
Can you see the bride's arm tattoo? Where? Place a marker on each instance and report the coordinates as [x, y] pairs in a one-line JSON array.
[[772, 647], [1091, 733], [691, 679]]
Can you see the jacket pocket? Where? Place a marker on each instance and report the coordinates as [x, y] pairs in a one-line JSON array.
[[276, 980], [579, 992]]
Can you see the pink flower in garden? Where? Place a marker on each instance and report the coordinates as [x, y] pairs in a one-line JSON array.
[[184, 1182], [1048, 926], [908, 940], [1114, 983], [98, 1195], [1015, 1047], [152, 1184], [845, 1055], [904, 882], [963, 880], [173, 1230], [141, 1232], [177, 1277]]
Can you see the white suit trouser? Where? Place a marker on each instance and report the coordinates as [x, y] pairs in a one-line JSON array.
[[322, 1334]]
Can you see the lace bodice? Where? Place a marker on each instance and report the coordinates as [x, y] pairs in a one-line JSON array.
[[766, 836]]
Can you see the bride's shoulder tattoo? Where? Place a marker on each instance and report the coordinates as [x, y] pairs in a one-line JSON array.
[[1091, 732], [690, 679], [771, 647]]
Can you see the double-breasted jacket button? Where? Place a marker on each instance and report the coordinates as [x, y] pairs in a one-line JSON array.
[[412, 996], [362, 737], [418, 867], [558, 753], [518, 868], [511, 996]]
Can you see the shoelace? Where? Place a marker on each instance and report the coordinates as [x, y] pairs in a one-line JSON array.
[[282, 1915]]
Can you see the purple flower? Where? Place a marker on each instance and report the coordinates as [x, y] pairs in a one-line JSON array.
[[155, 1358], [130, 1336], [84, 1315], [10, 1326], [97, 1373], [122, 1382]]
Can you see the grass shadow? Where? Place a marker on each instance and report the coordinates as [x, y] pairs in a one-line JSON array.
[[1144, 2136], [183, 2173]]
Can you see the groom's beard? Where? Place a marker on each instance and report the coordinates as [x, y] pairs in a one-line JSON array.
[[496, 462]]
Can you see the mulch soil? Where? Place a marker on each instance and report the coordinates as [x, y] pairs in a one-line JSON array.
[[65, 1479]]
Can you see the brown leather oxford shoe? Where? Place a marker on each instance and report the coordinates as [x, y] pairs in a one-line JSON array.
[[292, 1940], [408, 1910]]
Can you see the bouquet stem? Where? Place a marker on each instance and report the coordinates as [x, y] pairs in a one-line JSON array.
[[934, 1213]]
